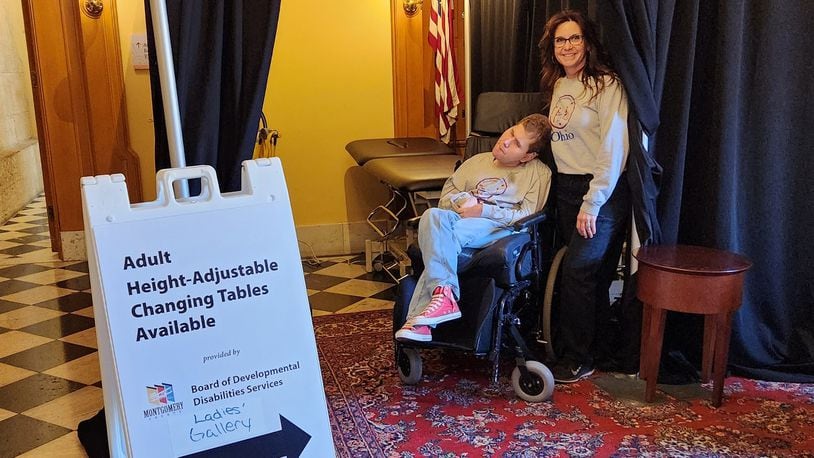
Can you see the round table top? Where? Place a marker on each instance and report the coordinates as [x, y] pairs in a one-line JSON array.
[[690, 259]]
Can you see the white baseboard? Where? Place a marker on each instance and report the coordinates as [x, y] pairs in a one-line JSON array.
[[334, 239], [317, 240]]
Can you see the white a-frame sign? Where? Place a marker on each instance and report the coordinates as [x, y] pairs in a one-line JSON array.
[[205, 336]]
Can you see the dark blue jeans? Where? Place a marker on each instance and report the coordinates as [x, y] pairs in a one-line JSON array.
[[589, 264]]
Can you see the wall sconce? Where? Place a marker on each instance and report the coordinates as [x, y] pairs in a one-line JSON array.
[[411, 6]]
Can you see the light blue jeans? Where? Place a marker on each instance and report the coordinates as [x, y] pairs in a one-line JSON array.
[[442, 234]]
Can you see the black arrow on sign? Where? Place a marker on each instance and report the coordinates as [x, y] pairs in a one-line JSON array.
[[289, 441]]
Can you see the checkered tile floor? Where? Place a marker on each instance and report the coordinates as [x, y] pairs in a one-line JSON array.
[[49, 368]]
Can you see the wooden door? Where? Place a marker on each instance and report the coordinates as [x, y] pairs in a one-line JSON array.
[[414, 73], [76, 75]]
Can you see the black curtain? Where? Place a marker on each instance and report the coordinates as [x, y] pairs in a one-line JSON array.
[[504, 53], [503, 42], [221, 53], [734, 138], [637, 34]]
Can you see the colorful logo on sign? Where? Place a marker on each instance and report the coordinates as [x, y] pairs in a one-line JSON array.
[[162, 397], [160, 394]]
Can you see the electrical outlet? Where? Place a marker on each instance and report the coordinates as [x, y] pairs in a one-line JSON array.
[[139, 51]]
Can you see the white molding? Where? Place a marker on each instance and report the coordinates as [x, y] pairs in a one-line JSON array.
[[324, 239], [334, 239]]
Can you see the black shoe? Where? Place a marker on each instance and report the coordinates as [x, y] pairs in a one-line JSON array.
[[570, 373]]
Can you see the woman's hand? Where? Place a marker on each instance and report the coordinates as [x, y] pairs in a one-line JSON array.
[[586, 225]]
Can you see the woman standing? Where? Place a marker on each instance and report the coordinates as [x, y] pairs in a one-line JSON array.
[[589, 141]]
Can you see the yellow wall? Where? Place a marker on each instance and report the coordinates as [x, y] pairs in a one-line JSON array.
[[137, 89], [330, 83]]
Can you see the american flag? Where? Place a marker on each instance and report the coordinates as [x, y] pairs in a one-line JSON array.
[[446, 89]]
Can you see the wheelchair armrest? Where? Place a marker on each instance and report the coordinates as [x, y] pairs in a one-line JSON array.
[[507, 260], [505, 249], [531, 220], [499, 260], [523, 223]]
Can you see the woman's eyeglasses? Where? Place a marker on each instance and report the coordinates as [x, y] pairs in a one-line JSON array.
[[575, 40]]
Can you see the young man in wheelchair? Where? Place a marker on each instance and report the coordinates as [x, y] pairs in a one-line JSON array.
[[484, 196]]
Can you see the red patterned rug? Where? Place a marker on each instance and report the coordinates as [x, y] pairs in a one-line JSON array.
[[453, 411]]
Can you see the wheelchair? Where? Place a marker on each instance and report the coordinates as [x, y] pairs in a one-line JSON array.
[[507, 288]]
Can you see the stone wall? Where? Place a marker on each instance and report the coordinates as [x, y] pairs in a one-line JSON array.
[[20, 169]]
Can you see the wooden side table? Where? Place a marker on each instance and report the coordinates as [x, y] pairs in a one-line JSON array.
[[689, 279]]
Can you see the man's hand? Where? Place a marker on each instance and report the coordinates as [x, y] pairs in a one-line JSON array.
[[462, 200], [472, 211], [586, 225]]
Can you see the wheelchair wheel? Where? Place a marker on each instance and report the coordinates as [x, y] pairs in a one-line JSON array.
[[548, 299], [408, 361], [536, 386], [381, 260]]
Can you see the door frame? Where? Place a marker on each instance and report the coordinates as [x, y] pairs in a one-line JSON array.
[[78, 89]]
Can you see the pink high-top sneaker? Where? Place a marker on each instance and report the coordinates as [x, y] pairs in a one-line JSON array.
[[414, 332], [442, 308]]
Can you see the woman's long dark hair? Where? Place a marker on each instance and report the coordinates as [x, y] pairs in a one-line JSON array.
[[597, 63]]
